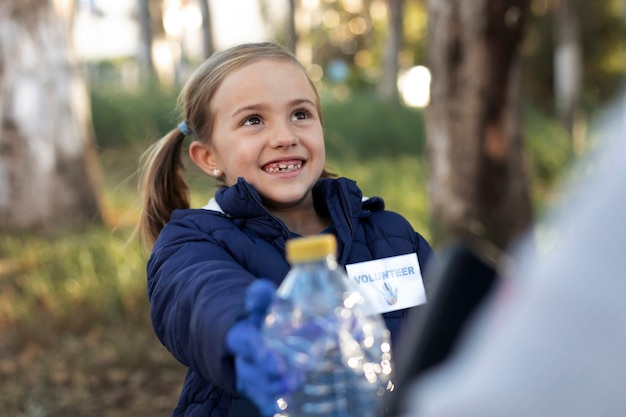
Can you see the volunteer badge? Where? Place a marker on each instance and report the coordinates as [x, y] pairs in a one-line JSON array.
[[389, 284]]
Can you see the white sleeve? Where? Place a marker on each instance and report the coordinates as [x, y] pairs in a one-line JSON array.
[[551, 341]]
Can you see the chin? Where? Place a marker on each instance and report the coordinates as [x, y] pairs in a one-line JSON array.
[[285, 201]]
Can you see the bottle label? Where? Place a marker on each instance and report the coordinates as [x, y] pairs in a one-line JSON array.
[[389, 284]]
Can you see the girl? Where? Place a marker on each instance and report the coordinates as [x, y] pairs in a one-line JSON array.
[[255, 119]]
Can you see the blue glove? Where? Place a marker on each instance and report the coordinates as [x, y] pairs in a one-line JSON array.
[[262, 375]]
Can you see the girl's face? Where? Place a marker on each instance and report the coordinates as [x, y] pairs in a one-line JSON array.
[[267, 130]]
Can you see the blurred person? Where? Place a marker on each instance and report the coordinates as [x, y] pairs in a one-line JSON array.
[[550, 339], [256, 124]]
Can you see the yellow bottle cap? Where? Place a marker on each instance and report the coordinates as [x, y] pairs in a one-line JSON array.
[[310, 248]]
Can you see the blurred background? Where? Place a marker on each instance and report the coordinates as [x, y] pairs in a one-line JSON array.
[[510, 90]]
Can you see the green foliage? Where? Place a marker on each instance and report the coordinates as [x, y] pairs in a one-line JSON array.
[[123, 116], [549, 149], [365, 127], [603, 41]]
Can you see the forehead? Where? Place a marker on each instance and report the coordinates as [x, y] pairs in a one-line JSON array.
[[263, 64], [263, 77]]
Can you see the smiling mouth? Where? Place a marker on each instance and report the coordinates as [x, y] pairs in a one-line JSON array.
[[284, 166]]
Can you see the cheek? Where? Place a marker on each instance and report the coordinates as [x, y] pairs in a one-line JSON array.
[[320, 156], [319, 144], [240, 161]]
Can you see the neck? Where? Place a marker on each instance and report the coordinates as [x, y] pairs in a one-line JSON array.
[[303, 222]]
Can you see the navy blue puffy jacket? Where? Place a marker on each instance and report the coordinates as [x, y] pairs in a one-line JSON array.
[[203, 261]]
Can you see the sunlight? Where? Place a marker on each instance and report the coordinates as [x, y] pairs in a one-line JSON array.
[[414, 86]]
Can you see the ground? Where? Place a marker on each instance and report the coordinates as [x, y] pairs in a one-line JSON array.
[[105, 371]]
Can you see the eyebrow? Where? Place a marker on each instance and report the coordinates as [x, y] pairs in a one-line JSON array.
[[257, 107]]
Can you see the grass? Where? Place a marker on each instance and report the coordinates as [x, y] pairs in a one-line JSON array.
[[76, 338]]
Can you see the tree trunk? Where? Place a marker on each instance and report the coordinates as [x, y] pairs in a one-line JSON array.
[[567, 64], [145, 44], [207, 29], [292, 32], [48, 171], [477, 179], [388, 86]]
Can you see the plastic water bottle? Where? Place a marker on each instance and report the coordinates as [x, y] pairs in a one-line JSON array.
[[319, 323]]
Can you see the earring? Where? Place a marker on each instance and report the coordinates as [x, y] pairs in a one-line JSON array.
[[216, 172]]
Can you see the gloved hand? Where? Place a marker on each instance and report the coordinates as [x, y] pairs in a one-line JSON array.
[[262, 375]]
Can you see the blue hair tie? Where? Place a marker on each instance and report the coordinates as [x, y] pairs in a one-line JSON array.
[[184, 129]]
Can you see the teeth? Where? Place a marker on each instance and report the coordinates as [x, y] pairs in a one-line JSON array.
[[282, 167]]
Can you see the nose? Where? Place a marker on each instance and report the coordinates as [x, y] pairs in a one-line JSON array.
[[283, 136]]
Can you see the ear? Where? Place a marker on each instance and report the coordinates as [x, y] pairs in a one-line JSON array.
[[203, 156]]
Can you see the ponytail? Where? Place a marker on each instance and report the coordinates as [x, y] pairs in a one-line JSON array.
[[162, 186]]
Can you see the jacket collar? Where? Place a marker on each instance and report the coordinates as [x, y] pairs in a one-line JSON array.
[[338, 198]]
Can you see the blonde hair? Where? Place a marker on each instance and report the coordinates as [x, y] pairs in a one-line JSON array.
[[163, 188]]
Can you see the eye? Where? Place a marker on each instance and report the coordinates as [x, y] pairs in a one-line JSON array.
[[301, 114], [252, 120]]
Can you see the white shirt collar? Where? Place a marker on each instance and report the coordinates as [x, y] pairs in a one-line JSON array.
[[213, 205]]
